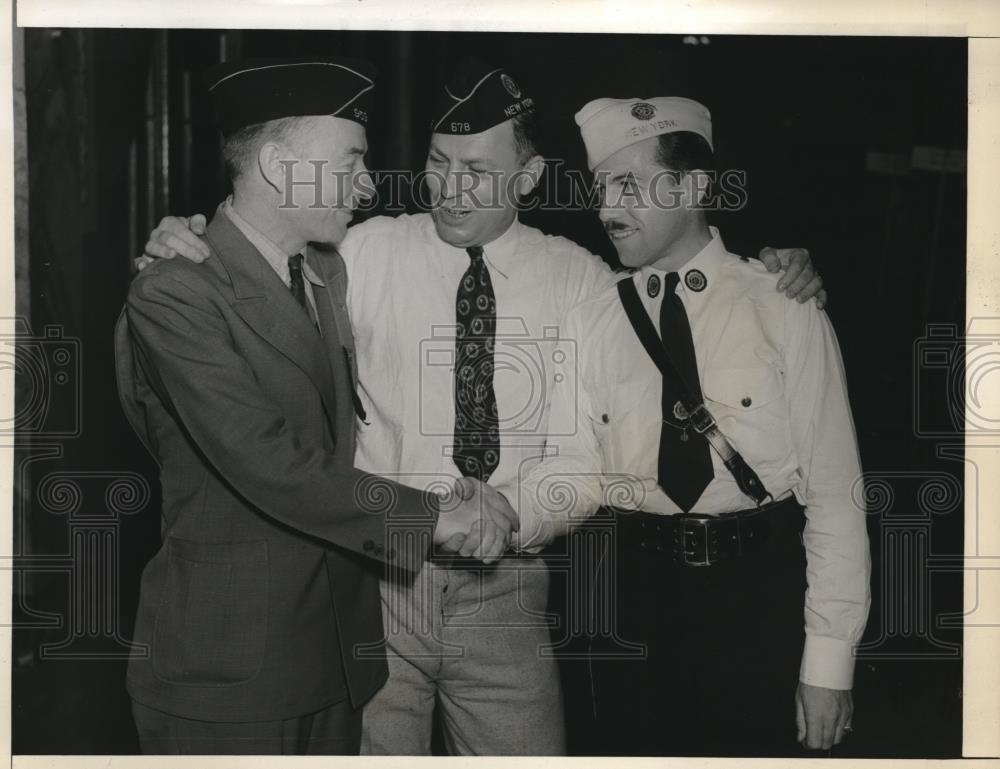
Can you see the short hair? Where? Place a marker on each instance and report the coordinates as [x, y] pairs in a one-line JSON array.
[[526, 134], [240, 148], [683, 152]]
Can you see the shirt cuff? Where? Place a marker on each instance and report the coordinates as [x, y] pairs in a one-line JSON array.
[[525, 539], [827, 662], [529, 538]]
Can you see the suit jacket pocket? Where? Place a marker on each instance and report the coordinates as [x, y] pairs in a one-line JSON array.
[[211, 624]]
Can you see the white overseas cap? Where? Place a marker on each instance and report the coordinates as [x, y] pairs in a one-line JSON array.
[[607, 125]]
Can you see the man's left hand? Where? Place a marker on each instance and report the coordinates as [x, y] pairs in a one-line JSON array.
[[800, 280], [821, 715]]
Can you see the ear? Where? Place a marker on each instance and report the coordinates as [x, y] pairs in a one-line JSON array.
[[529, 175], [273, 162]]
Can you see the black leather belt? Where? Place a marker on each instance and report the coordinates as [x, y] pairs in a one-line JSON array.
[[691, 539]]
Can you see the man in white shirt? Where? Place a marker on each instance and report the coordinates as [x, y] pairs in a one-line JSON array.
[[702, 528], [469, 640]]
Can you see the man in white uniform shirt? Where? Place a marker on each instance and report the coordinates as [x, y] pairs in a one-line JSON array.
[[702, 526], [465, 639]]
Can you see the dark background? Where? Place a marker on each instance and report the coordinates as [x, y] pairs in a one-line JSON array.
[[118, 135]]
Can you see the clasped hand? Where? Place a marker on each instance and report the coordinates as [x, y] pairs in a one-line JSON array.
[[475, 521]]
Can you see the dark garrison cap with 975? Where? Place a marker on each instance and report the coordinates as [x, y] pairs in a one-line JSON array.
[[477, 97], [255, 91]]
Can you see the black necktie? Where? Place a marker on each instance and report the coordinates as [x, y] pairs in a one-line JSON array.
[[477, 434], [297, 284], [684, 468]]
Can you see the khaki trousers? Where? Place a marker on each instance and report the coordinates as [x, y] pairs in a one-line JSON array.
[[472, 641]]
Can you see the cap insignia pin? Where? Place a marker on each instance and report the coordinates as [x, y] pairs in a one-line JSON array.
[[510, 85], [643, 111]]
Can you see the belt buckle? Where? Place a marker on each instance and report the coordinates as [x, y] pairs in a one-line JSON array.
[[697, 522], [701, 419]]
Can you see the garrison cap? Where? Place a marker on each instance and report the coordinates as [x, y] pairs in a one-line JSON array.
[[254, 91], [477, 97], [608, 125]]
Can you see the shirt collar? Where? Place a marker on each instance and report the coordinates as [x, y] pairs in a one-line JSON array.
[[501, 254], [699, 273], [271, 253]]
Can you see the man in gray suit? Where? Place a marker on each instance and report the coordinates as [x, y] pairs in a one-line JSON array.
[[259, 622]]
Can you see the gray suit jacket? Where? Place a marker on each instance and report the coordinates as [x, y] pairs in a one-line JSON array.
[[263, 602]]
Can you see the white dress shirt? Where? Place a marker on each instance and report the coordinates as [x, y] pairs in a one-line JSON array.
[[771, 374], [402, 286]]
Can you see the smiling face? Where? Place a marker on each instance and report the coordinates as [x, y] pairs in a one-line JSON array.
[[330, 150], [474, 182], [649, 214]]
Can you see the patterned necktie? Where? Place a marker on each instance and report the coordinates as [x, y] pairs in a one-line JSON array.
[[477, 434], [684, 467], [297, 284]]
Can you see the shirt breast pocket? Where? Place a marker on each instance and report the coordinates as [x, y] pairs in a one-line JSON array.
[[748, 403], [626, 421]]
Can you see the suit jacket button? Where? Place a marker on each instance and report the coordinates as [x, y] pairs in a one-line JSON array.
[[368, 546]]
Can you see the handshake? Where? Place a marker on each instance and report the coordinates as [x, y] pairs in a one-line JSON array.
[[475, 520]]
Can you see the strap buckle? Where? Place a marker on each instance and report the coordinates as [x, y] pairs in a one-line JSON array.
[[701, 419], [691, 526]]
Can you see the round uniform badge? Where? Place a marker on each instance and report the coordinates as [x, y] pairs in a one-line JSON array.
[[511, 86], [653, 286], [695, 280], [643, 111]]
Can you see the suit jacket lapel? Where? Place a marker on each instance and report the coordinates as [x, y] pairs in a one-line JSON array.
[[267, 306]]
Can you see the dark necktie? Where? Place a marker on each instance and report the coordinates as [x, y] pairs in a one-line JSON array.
[[684, 468], [297, 284], [477, 434]]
